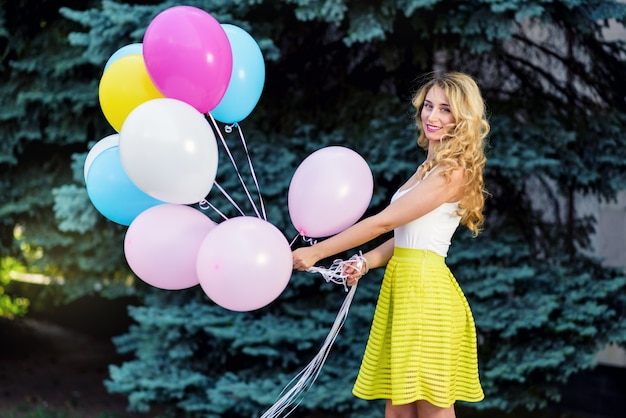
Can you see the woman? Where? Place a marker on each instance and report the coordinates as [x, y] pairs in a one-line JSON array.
[[421, 354]]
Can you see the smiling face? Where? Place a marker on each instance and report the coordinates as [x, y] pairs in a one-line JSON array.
[[436, 116]]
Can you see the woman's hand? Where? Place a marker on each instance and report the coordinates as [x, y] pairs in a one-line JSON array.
[[304, 258], [353, 271]]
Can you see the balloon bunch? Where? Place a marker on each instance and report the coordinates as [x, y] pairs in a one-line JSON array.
[[163, 98]]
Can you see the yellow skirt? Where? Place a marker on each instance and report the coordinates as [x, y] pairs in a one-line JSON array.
[[422, 344]]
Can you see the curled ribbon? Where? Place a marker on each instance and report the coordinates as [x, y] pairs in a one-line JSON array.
[[335, 273]]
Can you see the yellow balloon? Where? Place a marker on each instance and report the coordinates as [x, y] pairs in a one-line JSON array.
[[124, 86]]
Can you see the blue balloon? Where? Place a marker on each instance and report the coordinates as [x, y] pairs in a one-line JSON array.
[[130, 49], [112, 192], [247, 79]]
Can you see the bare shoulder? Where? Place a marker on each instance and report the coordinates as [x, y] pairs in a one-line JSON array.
[[453, 172], [453, 178]]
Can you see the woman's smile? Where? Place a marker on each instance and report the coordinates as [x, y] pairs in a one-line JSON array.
[[436, 114]]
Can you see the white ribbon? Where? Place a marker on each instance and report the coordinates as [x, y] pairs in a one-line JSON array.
[[228, 129], [335, 273], [293, 394]]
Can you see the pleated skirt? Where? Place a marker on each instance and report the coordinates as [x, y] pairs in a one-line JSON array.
[[422, 343]]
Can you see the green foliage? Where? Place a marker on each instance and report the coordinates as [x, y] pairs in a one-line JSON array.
[[50, 111], [10, 307], [215, 362], [338, 73], [539, 320]]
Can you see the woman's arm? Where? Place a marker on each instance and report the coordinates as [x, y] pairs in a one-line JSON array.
[[430, 193], [379, 256]]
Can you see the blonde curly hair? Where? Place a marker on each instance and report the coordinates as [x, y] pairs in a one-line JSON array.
[[464, 143]]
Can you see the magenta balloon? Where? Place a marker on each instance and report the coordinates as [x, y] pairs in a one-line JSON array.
[[244, 263], [161, 245], [330, 190], [188, 56]]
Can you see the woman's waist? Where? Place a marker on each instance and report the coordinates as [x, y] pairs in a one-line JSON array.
[[415, 254], [436, 244]]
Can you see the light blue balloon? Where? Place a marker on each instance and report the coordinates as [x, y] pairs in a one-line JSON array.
[[247, 79], [130, 49], [112, 192]]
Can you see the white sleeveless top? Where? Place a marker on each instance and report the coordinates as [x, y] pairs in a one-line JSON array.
[[432, 231]]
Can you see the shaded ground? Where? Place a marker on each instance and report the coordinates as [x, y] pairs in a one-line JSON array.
[[44, 365]]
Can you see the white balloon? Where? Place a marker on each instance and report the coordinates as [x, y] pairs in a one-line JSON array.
[[100, 146], [169, 151]]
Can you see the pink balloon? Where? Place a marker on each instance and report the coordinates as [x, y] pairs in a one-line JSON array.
[[244, 263], [161, 245], [330, 191], [188, 56]]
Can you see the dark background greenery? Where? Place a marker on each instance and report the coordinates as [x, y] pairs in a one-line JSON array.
[[338, 73]]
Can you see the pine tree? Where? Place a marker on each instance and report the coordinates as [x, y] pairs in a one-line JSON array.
[[341, 73]]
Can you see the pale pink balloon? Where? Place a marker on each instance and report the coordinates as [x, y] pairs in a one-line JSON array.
[[244, 263], [161, 245], [330, 190]]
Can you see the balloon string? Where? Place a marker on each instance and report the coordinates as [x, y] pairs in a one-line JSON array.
[[336, 272], [310, 241], [205, 204], [293, 241], [232, 160], [293, 394], [330, 275], [254, 178], [230, 199]]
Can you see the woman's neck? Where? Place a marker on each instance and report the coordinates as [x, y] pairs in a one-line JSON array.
[[432, 151]]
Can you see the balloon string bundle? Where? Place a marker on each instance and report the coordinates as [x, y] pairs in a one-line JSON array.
[[233, 162], [293, 394], [335, 273], [227, 196], [256, 182]]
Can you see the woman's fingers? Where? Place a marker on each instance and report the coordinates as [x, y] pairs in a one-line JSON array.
[[353, 272]]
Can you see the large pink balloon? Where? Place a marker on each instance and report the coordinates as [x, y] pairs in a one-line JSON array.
[[244, 263], [188, 56], [161, 245], [330, 190]]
